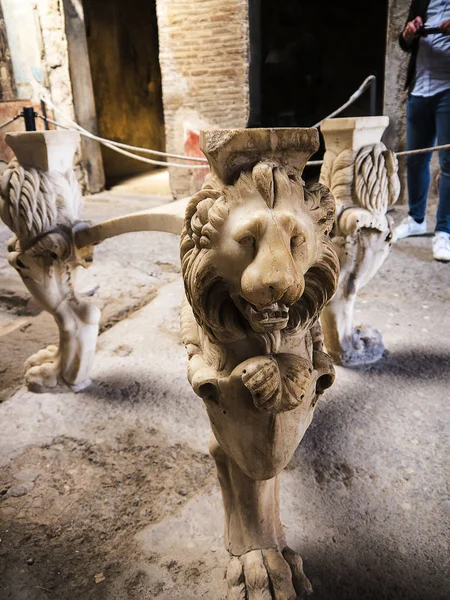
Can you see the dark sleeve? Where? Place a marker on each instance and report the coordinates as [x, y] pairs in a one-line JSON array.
[[412, 14]]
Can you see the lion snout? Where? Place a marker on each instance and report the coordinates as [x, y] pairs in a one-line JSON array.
[[280, 287]]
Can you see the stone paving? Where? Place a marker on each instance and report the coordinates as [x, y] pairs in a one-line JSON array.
[[110, 493]]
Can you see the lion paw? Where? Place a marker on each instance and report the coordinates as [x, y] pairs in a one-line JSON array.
[[45, 355], [354, 219], [43, 368], [262, 378], [267, 575], [364, 348]]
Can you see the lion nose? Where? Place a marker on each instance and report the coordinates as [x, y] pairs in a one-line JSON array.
[[270, 278]]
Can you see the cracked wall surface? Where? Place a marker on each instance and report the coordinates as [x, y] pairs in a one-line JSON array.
[[41, 32]]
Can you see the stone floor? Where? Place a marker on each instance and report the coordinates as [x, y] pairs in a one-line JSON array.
[[110, 494]]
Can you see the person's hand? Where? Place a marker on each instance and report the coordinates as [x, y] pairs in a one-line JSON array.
[[412, 30], [445, 27]]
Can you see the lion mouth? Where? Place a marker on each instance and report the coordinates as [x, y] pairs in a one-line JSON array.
[[269, 318]]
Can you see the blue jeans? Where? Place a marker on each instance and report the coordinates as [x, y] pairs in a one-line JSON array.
[[428, 118]]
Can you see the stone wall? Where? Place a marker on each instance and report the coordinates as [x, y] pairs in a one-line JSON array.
[[204, 65], [55, 54], [395, 77]]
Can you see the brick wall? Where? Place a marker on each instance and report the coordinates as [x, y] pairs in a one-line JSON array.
[[204, 64]]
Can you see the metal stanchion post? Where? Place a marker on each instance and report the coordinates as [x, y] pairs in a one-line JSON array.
[[28, 116], [373, 97], [44, 114]]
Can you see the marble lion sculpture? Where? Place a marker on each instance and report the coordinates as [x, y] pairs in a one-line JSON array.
[[364, 183], [41, 208], [258, 267]]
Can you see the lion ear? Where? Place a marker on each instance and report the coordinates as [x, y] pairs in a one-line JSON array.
[[197, 211], [263, 178], [322, 206]]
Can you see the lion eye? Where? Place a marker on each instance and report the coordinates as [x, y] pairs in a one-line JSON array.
[[247, 241], [296, 241]]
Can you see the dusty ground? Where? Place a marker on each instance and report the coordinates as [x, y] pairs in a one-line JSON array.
[[126, 275], [110, 495]]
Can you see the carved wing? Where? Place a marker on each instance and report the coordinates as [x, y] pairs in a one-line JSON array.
[[337, 175], [34, 201], [376, 181]]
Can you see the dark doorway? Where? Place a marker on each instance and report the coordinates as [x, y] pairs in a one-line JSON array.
[[307, 58], [122, 39]]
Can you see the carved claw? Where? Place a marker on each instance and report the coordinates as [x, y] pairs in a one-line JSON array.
[[301, 583], [354, 219], [42, 369], [262, 378], [267, 575], [296, 375]]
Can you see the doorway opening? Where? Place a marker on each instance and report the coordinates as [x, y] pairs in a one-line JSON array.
[[307, 58], [122, 40]]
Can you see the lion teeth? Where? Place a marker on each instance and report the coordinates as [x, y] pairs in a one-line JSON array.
[[276, 314], [272, 313]]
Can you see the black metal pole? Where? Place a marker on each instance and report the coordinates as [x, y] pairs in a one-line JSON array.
[[44, 114], [373, 97], [28, 117]]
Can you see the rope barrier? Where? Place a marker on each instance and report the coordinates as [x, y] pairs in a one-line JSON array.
[[422, 150], [403, 153], [362, 88], [311, 163], [120, 144], [122, 148], [110, 145], [10, 121]]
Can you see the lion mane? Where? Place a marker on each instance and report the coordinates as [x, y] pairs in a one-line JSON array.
[[206, 290], [40, 208]]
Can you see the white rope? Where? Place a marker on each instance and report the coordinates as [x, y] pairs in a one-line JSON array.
[[148, 161], [404, 153], [352, 99], [50, 104], [165, 164], [55, 123], [311, 163], [6, 123], [121, 148], [423, 150], [120, 144]]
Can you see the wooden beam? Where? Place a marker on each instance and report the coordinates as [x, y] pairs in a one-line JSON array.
[[83, 94]]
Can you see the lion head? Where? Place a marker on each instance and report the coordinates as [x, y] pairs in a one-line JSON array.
[[256, 256]]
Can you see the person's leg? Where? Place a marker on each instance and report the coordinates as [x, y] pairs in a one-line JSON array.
[[420, 133], [443, 137]]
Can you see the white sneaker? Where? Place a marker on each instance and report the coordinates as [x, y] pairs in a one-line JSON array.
[[410, 227], [441, 246]]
